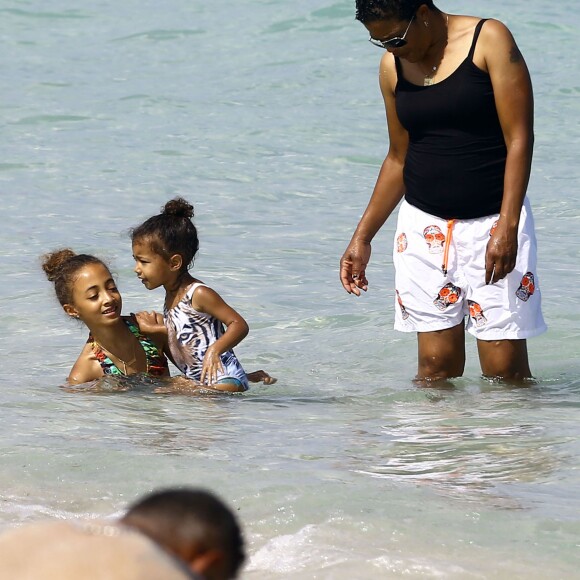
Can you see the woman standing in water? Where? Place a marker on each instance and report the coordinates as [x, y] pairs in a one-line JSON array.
[[459, 108]]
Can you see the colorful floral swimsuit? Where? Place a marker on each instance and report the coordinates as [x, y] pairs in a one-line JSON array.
[[156, 362]]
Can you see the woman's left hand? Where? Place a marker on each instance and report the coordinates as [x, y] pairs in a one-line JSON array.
[[501, 253]]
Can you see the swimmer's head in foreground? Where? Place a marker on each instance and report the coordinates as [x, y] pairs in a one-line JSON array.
[[194, 525]]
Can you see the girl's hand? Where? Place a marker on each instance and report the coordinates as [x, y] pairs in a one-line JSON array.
[[150, 322], [212, 365]]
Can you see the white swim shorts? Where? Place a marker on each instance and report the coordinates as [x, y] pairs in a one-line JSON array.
[[427, 299]]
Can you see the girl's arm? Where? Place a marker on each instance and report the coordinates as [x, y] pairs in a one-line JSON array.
[[210, 302], [388, 192], [515, 106], [150, 323], [153, 325], [87, 368]]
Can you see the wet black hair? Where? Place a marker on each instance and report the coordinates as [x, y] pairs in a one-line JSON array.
[[184, 519], [62, 267], [403, 10], [171, 232]]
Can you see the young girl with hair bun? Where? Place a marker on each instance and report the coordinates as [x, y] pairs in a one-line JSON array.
[[202, 328], [87, 291]]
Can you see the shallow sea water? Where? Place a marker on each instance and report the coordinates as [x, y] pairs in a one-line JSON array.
[[267, 116]]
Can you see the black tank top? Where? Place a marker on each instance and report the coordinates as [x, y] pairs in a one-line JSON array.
[[456, 158]]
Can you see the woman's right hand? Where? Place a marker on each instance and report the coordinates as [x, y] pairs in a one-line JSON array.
[[353, 266]]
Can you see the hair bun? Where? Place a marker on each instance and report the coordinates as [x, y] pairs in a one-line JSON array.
[[178, 207], [53, 262]]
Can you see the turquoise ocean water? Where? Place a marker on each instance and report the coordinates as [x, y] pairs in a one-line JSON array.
[[266, 114]]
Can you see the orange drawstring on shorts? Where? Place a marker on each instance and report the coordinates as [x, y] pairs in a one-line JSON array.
[[447, 244]]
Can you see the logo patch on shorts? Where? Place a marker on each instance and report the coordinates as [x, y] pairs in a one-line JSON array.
[[527, 287], [492, 230], [476, 313], [404, 312], [448, 295], [434, 238], [401, 242]]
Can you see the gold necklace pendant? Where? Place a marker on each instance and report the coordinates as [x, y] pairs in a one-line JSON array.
[[127, 363], [428, 78]]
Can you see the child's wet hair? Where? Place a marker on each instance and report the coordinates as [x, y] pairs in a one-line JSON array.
[[171, 232], [62, 267]]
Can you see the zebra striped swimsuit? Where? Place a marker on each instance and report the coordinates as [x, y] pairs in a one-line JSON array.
[[190, 333]]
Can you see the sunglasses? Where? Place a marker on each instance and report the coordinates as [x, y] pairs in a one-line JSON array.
[[395, 42]]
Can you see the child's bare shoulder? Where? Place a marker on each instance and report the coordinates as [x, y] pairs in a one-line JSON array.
[[203, 297]]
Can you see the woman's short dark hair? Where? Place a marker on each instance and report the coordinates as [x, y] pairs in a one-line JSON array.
[[369, 10]]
